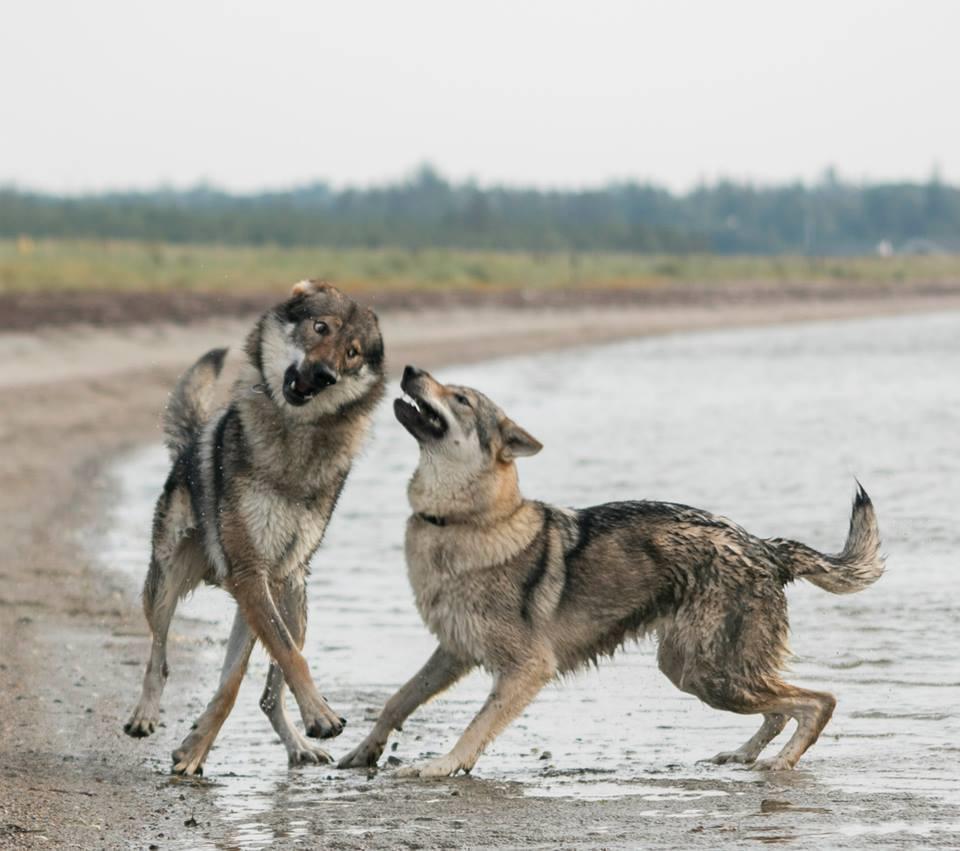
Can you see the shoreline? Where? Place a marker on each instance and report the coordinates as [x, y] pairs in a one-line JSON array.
[[73, 399]]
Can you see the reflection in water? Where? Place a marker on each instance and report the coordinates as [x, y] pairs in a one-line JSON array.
[[768, 427]]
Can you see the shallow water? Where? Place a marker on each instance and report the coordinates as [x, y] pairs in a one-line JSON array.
[[768, 427]]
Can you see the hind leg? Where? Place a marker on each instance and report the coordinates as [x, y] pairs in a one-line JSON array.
[[177, 566], [773, 724], [726, 650], [811, 710], [253, 594], [722, 691], [159, 604], [292, 602], [189, 757], [778, 702], [300, 750]]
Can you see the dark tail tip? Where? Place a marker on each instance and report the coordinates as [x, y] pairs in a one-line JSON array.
[[862, 498], [215, 358]]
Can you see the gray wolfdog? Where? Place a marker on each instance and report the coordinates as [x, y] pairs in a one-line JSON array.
[[248, 500], [530, 591]]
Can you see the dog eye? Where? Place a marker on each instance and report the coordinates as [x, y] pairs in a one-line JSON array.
[[321, 328], [463, 400], [352, 352]]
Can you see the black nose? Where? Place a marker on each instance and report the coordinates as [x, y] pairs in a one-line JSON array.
[[322, 376], [411, 372]]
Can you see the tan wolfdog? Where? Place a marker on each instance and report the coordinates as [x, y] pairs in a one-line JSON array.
[[248, 500], [529, 591]]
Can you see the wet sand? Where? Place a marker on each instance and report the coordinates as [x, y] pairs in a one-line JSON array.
[[73, 638]]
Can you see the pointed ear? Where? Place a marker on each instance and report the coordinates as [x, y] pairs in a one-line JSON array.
[[517, 442], [309, 287]]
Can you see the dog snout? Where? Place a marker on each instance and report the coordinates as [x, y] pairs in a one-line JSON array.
[[322, 376], [412, 373]]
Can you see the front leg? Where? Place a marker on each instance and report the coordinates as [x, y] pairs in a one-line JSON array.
[[440, 672], [513, 690], [253, 596]]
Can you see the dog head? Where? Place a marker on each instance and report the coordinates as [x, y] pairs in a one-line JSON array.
[[468, 446], [318, 351]]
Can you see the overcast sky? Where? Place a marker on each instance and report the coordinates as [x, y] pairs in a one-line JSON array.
[[128, 94]]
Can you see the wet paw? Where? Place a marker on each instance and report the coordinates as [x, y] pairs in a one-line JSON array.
[[364, 755], [444, 766], [776, 764], [724, 757], [141, 724], [188, 758], [306, 754], [410, 770], [187, 762], [326, 727]]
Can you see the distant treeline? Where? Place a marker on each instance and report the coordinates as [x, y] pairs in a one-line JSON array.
[[426, 211]]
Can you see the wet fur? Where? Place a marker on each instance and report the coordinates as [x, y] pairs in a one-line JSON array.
[[530, 591], [251, 490]]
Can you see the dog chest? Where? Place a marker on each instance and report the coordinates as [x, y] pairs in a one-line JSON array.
[[454, 609], [466, 589], [284, 531]]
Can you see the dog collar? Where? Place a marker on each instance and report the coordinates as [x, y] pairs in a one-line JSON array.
[[430, 518]]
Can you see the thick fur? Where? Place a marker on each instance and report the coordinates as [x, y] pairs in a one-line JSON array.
[[529, 591], [247, 502], [191, 402], [851, 570]]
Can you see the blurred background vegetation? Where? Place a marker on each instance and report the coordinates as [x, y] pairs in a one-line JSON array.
[[427, 232], [28, 265]]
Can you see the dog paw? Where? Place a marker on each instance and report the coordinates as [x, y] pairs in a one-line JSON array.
[[306, 754], [141, 724], [412, 770], [187, 763], [444, 766], [327, 726], [725, 757], [778, 763], [364, 755]]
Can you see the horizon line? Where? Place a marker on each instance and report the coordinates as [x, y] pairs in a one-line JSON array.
[[829, 176]]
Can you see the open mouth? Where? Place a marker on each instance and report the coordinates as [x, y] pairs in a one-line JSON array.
[[419, 417], [295, 390]]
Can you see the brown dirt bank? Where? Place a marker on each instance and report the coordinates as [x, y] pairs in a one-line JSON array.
[[73, 639], [25, 311]]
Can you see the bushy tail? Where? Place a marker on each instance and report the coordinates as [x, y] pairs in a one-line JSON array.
[[191, 402], [856, 567]]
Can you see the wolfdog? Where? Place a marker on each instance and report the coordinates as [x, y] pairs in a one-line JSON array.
[[529, 591], [248, 500]]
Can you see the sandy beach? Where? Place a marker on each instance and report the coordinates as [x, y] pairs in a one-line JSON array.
[[75, 396]]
